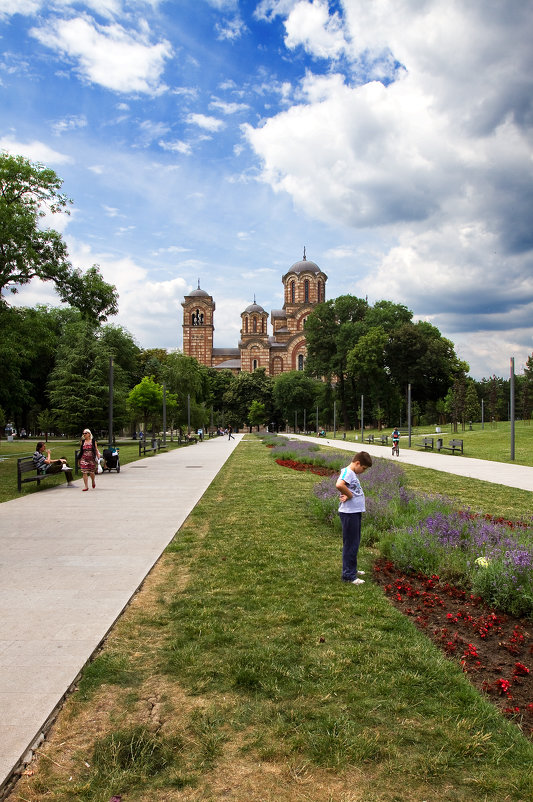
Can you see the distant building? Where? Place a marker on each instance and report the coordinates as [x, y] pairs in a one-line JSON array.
[[283, 350]]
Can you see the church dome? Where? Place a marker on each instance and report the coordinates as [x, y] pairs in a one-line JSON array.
[[254, 308], [304, 266], [198, 294]]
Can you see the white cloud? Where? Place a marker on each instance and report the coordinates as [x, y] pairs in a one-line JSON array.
[[36, 151], [203, 121], [176, 146], [230, 29], [438, 157], [120, 60], [228, 108], [24, 7], [70, 123], [310, 25]]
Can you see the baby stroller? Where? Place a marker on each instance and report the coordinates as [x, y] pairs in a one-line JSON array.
[[111, 459]]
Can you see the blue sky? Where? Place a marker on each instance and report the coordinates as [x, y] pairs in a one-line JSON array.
[[214, 139]]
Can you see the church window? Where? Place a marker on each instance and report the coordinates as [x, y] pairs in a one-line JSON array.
[[300, 361], [246, 325], [319, 291], [263, 325], [292, 292], [306, 290], [255, 324], [254, 364]]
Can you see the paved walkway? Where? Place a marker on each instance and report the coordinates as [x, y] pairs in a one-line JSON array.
[[501, 473], [69, 564]]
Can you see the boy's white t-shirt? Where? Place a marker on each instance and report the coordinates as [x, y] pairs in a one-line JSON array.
[[357, 502]]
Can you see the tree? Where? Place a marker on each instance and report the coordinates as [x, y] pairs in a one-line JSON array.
[[332, 330], [248, 387], [27, 192], [47, 422], [185, 377], [89, 293], [472, 405], [146, 400], [256, 414], [293, 393]]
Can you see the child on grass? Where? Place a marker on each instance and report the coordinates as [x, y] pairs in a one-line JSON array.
[[352, 504]]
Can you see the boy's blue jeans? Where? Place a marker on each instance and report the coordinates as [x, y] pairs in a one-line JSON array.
[[351, 537]]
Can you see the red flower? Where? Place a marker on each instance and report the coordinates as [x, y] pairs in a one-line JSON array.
[[520, 670]]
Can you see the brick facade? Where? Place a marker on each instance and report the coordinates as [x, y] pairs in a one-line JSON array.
[[283, 350]]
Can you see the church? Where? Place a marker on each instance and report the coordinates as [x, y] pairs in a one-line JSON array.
[[304, 286]]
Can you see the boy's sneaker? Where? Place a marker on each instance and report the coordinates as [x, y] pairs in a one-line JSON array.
[[358, 581]]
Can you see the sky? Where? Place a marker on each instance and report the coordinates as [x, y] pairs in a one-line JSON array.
[[211, 140]]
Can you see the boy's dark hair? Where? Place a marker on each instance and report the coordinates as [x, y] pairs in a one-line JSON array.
[[363, 458], [40, 444]]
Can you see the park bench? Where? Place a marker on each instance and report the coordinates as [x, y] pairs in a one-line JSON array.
[[187, 439], [453, 446], [427, 442], [26, 465], [369, 439], [144, 446], [384, 439]]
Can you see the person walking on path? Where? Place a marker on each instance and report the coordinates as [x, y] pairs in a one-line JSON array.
[[49, 465], [351, 507], [230, 436], [88, 455]]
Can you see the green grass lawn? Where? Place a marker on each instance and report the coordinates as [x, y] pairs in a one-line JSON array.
[[10, 451], [246, 670], [492, 443]]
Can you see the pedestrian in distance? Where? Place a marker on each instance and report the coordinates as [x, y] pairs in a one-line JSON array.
[[49, 465], [351, 507], [230, 436], [396, 442], [88, 456]]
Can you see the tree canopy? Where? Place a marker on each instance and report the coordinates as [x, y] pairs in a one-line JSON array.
[[28, 193]]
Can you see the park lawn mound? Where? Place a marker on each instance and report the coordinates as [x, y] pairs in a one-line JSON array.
[[245, 670]]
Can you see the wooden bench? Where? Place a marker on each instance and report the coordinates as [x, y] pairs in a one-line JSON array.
[[427, 442], [26, 465], [154, 446], [453, 446], [384, 439], [369, 439], [188, 439]]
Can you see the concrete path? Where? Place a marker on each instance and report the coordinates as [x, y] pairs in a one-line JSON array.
[[69, 564], [500, 473]]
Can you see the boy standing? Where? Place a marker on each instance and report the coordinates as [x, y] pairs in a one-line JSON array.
[[352, 504]]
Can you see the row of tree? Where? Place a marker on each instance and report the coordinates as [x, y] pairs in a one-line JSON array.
[[55, 374], [54, 362]]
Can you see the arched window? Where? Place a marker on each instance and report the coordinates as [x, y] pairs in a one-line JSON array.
[[246, 325], [304, 321], [300, 361], [254, 364], [263, 325], [318, 291], [306, 290], [292, 292], [255, 324]]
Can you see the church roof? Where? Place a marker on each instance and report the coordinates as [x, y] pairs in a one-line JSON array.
[[229, 352], [198, 293], [229, 363], [278, 313]]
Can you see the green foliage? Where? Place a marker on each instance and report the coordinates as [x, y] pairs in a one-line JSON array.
[[27, 192], [78, 386], [256, 414], [88, 292], [295, 392], [145, 401], [246, 388]]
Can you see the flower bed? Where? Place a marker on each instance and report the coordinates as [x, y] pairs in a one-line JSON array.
[[493, 648]]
